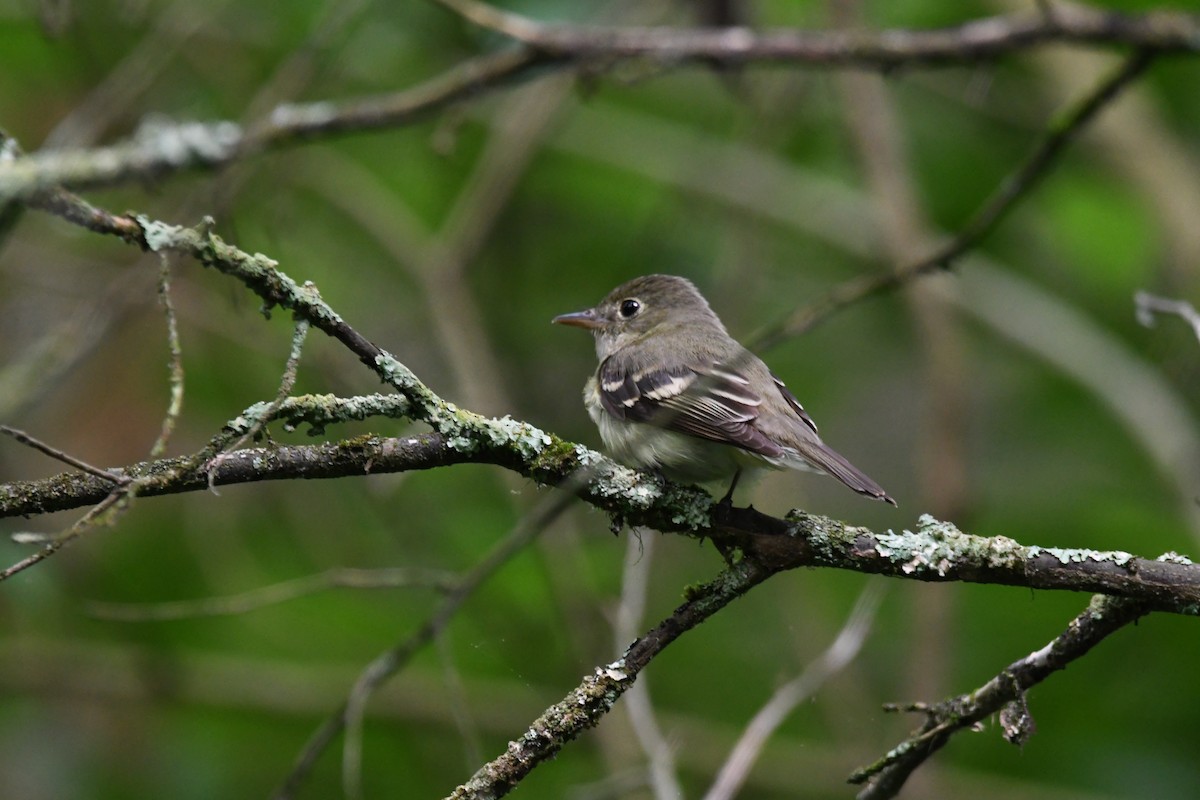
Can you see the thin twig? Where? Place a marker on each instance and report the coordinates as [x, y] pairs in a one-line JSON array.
[[1015, 187], [99, 514], [639, 555], [1146, 305], [103, 512], [349, 716], [176, 352], [783, 702], [244, 603], [37, 444], [287, 382]]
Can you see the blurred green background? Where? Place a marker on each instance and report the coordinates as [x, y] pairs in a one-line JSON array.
[[1017, 396]]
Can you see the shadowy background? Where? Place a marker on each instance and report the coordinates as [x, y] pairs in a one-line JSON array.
[[1017, 396]]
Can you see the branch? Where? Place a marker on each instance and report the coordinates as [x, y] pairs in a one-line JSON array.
[[991, 37], [1004, 693], [244, 603], [1014, 188], [160, 149], [349, 716], [934, 552], [843, 650], [585, 705]]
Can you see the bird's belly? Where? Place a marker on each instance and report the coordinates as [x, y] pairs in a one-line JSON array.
[[680, 457]]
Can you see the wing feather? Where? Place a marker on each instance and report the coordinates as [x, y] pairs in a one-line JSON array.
[[715, 404]]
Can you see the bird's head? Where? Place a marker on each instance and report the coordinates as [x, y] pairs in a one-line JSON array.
[[646, 306]]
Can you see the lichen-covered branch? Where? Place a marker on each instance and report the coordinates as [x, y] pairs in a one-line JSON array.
[[161, 148], [1003, 694], [935, 551]]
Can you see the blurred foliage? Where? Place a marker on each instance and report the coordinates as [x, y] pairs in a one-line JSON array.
[[749, 183]]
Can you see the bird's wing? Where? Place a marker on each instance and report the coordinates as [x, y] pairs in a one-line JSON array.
[[791, 400], [716, 403]]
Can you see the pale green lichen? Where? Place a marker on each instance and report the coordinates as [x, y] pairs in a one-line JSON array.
[[933, 547], [394, 371], [1172, 557], [615, 671], [319, 411], [1004, 552], [694, 515], [824, 535], [528, 440], [937, 545], [184, 143], [587, 456], [1078, 556], [612, 480], [159, 235]]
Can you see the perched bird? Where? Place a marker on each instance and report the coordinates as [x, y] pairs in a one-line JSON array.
[[675, 392]]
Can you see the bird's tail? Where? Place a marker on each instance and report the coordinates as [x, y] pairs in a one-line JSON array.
[[834, 463]]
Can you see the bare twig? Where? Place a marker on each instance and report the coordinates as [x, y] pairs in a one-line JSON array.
[[176, 364], [842, 651], [115, 499], [1147, 305], [339, 578], [100, 514], [1103, 617], [349, 716], [286, 383], [37, 444]]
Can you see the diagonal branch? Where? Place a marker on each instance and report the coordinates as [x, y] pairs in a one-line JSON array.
[[1004, 693], [843, 650], [349, 716], [1061, 133], [585, 705]]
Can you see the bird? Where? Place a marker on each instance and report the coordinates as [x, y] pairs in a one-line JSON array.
[[675, 393]]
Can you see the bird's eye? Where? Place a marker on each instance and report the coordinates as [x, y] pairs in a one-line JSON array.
[[630, 308]]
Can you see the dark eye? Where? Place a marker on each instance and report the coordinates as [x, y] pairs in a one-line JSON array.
[[630, 308]]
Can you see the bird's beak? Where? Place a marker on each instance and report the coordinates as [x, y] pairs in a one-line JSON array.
[[580, 319]]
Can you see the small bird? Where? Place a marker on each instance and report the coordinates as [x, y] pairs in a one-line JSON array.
[[675, 392]]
